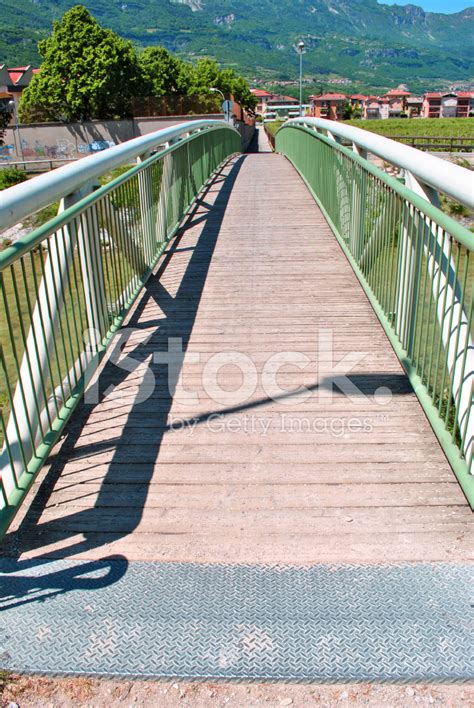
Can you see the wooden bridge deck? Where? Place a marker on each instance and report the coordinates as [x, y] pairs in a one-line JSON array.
[[294, 478]]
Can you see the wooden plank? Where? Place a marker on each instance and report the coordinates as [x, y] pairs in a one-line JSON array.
[[259, 473], [240, 497], [296, 549], [114, 452]]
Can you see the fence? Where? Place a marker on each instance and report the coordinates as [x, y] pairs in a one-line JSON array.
[[36, 166], [66, 287], [270, 136], [416, 265], [437, 144]]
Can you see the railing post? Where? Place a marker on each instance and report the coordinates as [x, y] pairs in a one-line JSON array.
[[359, 194], [446, 292], [88, 239], [145, 191], [407, 268], [24, 427]]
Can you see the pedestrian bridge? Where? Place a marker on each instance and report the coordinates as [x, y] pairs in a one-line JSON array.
[[237, 430]]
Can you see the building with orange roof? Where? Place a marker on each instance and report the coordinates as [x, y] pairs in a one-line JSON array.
[[272, 103], [447, 105], [328, 105], [396, 102], [374, 108], [14, 80]]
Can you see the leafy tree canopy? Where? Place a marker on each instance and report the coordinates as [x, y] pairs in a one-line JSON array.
[[161, 72], [90, 72], [87, 72], [205, 74]]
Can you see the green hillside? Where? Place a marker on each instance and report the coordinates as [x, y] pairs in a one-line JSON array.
[[377, 45]]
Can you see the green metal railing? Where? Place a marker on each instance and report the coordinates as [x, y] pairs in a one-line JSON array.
[[417, 267], [67, 286]]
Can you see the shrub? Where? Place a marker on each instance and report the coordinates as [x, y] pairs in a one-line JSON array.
[[9, 176]]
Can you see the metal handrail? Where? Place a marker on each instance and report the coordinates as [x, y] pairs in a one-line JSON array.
[[429, 170], [26, 198], [416, 265], [67, 286]]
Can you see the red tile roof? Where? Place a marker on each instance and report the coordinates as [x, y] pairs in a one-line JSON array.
[[329, 97], [260, 93], [432, 95], [359, 96], [397, 92], [16, 73]]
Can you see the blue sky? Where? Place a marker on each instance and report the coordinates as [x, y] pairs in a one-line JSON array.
[[433, 5]]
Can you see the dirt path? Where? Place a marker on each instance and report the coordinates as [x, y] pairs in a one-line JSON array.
[[33, 692]]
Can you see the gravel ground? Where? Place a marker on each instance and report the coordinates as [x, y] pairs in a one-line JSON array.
[[23, 691]]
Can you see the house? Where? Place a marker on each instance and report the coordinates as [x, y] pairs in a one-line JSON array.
[[396, 101], [272, 105], [262, 97], [447, 105], [394, 104], [328, 105], [358, 99], [431, 105], [276, 100], [414, 106], [5, 95], [465, 99], [13, 82], [375, 108]]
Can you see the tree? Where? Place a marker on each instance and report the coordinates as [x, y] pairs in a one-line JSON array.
[[205, 74], [87, 72], [351, 111], [242, 94], [160, 72], [200, 78]]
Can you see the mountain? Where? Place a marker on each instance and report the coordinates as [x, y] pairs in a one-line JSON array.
[[378, 45]]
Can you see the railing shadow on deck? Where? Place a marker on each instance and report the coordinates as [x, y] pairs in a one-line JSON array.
[[32, 533], [182, 309]]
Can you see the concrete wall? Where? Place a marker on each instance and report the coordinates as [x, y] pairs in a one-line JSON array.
[[247, 132], [73, 140]]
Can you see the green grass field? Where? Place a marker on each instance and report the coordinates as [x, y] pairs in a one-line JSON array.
[[414, 127]]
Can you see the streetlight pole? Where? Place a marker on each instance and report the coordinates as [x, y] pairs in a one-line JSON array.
[[216, 90], [225, 103], [300, 48]]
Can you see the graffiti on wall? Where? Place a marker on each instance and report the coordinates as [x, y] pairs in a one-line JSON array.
[[63, 149]]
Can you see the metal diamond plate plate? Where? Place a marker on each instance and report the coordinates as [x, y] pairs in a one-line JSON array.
[[322, 623]]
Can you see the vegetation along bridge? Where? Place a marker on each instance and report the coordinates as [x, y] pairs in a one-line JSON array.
[[237, 419]]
